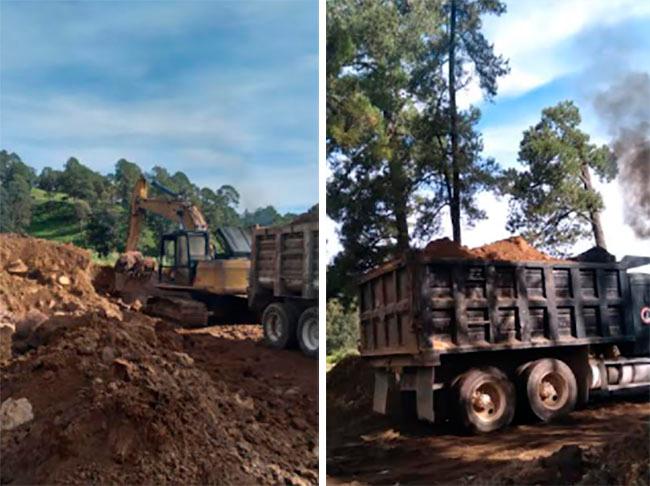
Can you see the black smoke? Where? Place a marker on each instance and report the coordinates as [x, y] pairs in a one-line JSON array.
[[625, 108]]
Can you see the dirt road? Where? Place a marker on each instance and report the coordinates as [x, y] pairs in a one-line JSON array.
[[365, 448]]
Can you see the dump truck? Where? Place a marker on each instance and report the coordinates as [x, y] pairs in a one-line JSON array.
[[199, 279], [476, 340], [283, 283]]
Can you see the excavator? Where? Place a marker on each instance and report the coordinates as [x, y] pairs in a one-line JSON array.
[[198, 280]]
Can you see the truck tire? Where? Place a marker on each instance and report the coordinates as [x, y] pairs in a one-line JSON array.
[[549, 388], [486, 399], [308, 332], [279, 324]]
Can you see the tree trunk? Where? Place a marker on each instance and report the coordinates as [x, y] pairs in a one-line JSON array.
[[399, 201], [453, 129], [594, 215]]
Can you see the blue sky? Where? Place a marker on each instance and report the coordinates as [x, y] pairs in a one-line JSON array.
[[557, 49], [225, 91]]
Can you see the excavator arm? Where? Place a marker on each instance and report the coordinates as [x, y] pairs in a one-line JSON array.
[[185, 213]]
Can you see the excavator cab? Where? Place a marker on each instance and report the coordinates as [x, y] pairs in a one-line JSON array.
[[180, 253], [182, 250]]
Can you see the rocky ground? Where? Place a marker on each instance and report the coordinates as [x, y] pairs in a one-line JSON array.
[[94, 391], [607, 443]]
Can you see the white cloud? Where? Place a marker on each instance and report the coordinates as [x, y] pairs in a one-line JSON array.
[[286, 188], [531, 30]]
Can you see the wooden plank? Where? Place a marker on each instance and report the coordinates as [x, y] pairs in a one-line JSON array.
[[278, 287], [522, 303], [626, 296], [380, 396], [308, 266], [424, 393], [460, 332], [551, 306], [576, 291], [603, 314], [493, 301]]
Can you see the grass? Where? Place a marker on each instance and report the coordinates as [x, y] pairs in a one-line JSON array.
[[332, 359], [54, 218]]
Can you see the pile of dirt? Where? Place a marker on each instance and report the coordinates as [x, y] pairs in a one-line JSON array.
[[445, 248], [310, 216], [623, 460], [48, 277], [515, 248], [120, 402], [510, 249], [115, 396]]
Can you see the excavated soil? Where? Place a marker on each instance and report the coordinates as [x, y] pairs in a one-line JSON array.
[[57, 279], [515, 248], [605, 443], [119, 397]]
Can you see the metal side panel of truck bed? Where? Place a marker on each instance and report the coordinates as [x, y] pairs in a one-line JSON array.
[[416, 308]]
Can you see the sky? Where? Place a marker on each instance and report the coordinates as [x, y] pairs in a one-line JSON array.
[[226, 91], [557, 50]]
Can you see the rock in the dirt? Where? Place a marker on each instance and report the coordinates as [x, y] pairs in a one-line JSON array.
[[247, 403], [184, 358], [31, 321], [7, 330], [17, 267], [567, 461], [137, 305], [64, 280], [14, 413], [124, 370], [108, 354]]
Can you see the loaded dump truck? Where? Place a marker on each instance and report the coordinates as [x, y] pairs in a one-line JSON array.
[[283, 283], [477, 339]]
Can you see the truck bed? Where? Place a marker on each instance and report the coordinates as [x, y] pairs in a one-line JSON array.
[[284, 261], [418, 307]]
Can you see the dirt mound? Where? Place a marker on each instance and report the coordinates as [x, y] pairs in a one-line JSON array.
[[121, 402], [119, 397], [510, 249], [623, 460], [445, 248], [53, 278], [350, 385], [310, 216]]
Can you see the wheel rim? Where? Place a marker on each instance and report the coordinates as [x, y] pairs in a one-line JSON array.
[[309, 334], [487, 402], [552, 390], [274, 326]]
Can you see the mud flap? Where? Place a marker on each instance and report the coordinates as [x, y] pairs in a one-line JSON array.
[[424, 393], [380, 397]]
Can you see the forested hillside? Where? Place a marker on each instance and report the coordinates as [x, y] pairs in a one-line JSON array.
[[76, 204]]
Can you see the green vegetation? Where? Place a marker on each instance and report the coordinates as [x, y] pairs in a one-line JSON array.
[[553, 202], [54, 217], [342, 330], [80, 206], [401, 152]]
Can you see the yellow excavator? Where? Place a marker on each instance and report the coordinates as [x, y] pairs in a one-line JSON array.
[[198, 280]]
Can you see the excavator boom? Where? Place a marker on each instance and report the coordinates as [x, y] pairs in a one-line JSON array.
[[185, 213]]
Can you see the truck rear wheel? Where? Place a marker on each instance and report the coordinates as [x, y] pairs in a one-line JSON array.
[[550, 388], [487, 399], [308, 332], [279, 323]]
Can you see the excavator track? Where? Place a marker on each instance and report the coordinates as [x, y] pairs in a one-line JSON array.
[[184, 311]]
